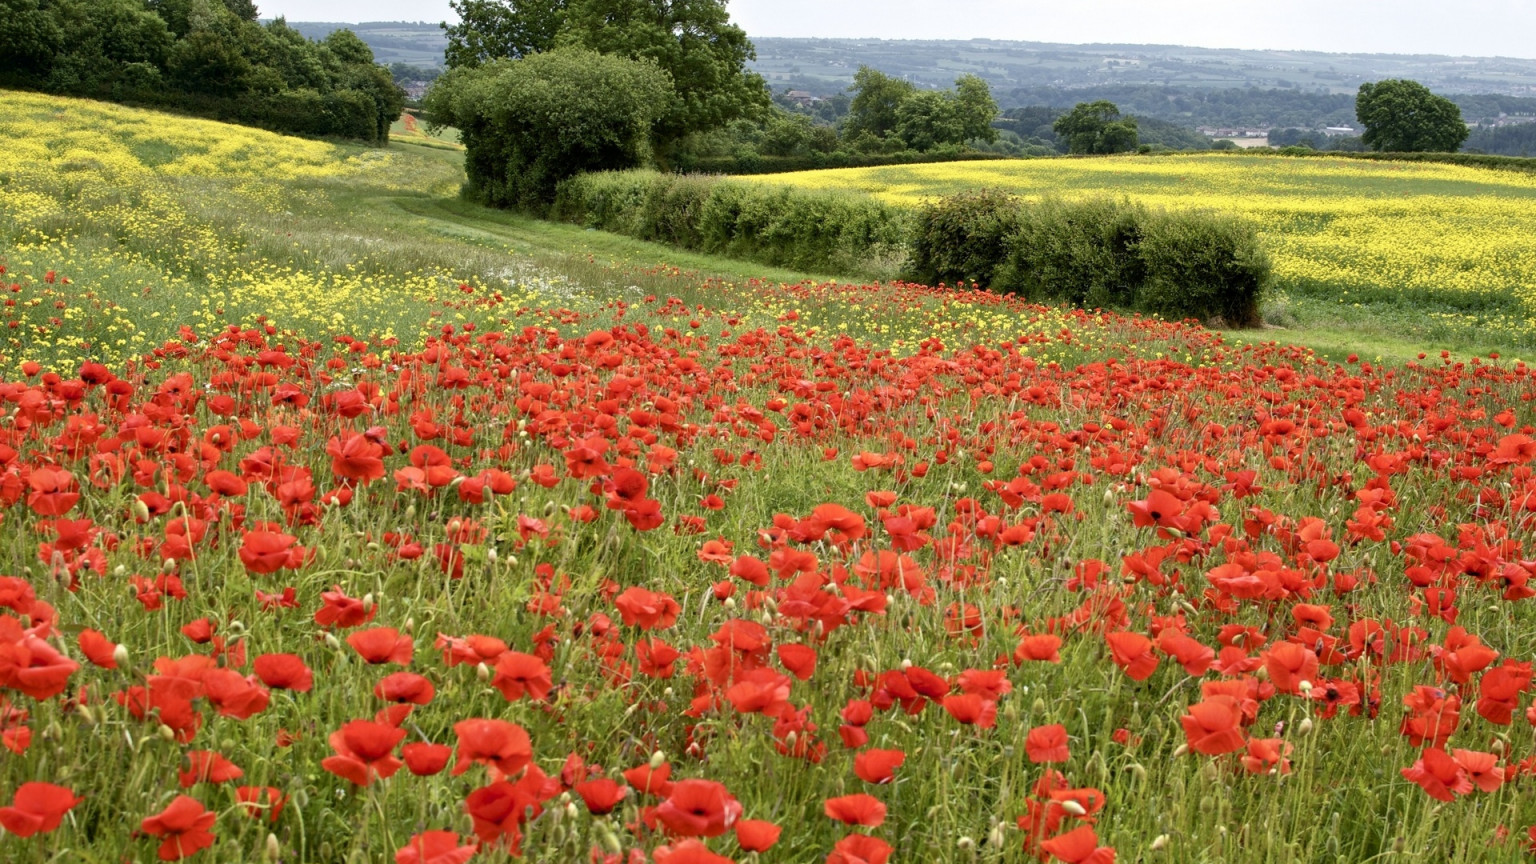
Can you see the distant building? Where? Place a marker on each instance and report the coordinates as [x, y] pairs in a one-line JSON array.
[[802, 98]]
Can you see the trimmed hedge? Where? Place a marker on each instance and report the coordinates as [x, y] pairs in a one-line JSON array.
[[1519, 164], [1094, 253], [758, 164], [829, 231]]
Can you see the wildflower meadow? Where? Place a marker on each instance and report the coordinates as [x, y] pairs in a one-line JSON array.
[[542, 557]]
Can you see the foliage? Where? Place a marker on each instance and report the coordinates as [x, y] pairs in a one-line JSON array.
[[888, 113], [497, 29], [1096, 128], [693, 41], [824, 232], [208, 57], [1515, 140], [1098, 252], [529, 123], [1404, 117], [962, 238], [877, 97]]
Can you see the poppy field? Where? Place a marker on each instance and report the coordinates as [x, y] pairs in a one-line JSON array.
[[687, 569]]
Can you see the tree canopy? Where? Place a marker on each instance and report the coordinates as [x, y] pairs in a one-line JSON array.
[[1402, 116], [531, 122], [693, 41], [207, 57], [1096, 128], [890, 108]]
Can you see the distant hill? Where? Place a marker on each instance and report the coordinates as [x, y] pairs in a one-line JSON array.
[[417, 43], [1197, 87]]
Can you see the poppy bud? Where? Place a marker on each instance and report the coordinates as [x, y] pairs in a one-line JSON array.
[[368, 602], [490, 555], [168, 565], [86, 714], [167, 732], [905, 664], [1038, 707], [571, 810], [409, 625], [667, 693], [606, 838], [967, 844], [1137, 769], [730, 602], [483, 672], [1305, 726], [1159, 843], [140, 510], [1180, 750], [1305, 687], [657, 760], [120, 655], [273, 850], [332, 642], [1074, 808], [996, 838]]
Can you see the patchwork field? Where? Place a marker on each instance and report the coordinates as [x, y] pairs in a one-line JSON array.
[[1441, 252], [344, 521]]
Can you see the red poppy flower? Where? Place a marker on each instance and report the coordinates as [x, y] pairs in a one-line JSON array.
[[424, 759], [37, 808], [182, 826], [647, 610], [405, 687], [857, 809], [505, 747], [756, 835], [1047, 744], [98, 649], [208, 766], [1212, 727], [379, 645], [259, 801], [1079, 846], [688, 851], [364, 752], [1133, 653], [435, 847], [972, 710], [601, 795], [698, 808], [860, 849], [518, 674], [878, 766], [284, 672], [1439, 775]]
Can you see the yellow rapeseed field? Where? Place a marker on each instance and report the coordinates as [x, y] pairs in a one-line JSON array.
[[160, 222], [1461, 239]]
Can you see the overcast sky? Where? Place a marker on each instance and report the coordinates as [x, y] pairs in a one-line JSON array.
[[1471, 27]]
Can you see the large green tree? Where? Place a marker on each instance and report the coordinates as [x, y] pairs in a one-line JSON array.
[[529, 123], [1096, 128], [876, 98], [495, 29], [1402, 116], [693, 41], [29, 38]]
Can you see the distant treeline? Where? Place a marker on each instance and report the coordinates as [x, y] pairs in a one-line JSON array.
[[206, 57], [1517, 140], [1245, 107]]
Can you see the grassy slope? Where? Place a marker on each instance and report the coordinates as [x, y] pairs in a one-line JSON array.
[[1376, 331], [401, 215]]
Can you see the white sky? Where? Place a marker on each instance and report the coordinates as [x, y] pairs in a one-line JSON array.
[[1472, 27]]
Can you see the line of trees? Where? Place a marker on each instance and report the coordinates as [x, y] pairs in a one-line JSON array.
[[206, 57]]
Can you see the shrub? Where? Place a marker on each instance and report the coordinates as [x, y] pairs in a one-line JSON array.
[[1201, 265], [530, 123], [1081, 252], [832, 231], [1095, 253], [962, 238]]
